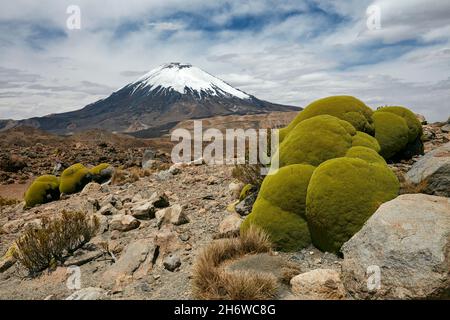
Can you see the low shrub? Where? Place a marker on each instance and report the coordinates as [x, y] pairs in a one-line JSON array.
[[56, 239]]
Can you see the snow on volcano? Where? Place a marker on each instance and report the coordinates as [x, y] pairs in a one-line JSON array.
[[185, 79]]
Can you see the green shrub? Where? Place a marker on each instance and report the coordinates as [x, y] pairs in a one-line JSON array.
[[364, 140], [56, 239], [74, 178], [366, 154], [43, 189], [280, 207], [246, 190], [414, 126], [316, 140], [392, 133], [343, 193], [101, 173], [347, 108], [415, 131]]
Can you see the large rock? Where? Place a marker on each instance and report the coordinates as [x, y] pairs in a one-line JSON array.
[[318, 284], [402, 252], [134, 256], [433, 170], [173, 214]]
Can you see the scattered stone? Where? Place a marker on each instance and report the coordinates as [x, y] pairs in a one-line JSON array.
[[81, 257], [159, 200], [113, 200], [143, 210], [230, 226], [407, 240], [91, 187], [123, 223], [421, 118], [175, 168], [13, 226], [245, 206], [184, 237], [318, 284], [108, 210], [90, 293], [433, 170], [164, 175], [173, 214], [172, 262], [235, 189], [445, 128]]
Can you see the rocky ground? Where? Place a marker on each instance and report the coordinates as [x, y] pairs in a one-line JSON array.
[[28, 152], [145, 250], [203, 206]]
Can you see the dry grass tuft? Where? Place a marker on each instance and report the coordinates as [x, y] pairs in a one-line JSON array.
[[211, 281], [121, 176], [410, 188], [248, 174], [56, 239], [7, 202]]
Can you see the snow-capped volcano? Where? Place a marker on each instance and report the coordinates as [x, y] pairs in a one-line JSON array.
[[156, 102], [185, 79]]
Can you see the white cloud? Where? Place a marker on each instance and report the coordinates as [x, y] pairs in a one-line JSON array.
[[289, 61]]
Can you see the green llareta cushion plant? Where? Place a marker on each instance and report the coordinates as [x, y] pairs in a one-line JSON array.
[[74, 178], [101, 173], [346, 108], [415, 144], [343, 193], [316, 140], [391, 132], [280, 207], [364, 140], [43, 189], [414, 125]]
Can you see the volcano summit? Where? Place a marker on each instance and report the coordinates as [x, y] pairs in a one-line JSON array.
[[156, 102]]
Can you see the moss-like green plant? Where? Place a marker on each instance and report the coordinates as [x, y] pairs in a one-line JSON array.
[[43, 189], [98, 169], [366, 154], [246, 190], [414, 126], [74, 178], [316, 140], [280, 207], [101, 173], [347, 108], [343, 193], [392, 133], [364, 140]]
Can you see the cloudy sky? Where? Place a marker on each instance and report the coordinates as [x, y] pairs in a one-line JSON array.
[[288, 52]]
